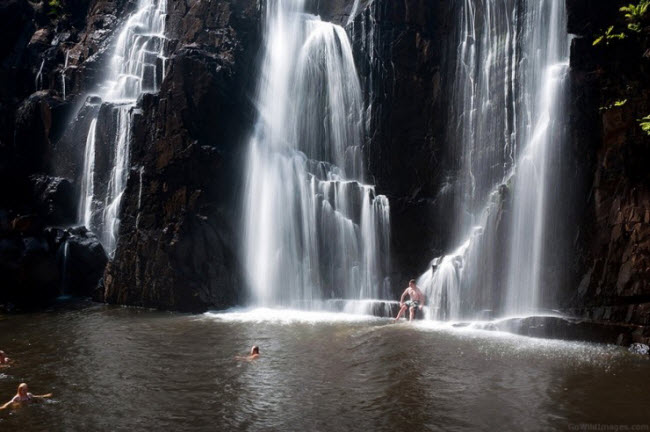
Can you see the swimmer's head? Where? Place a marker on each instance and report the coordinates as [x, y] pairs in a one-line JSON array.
[[412, 282], [255, 349], [22, 389]]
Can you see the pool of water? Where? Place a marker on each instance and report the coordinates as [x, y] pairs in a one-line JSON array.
[[114, 368]]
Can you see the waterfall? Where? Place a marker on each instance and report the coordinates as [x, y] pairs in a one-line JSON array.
[[137, 66], [87, 184], [353, 11], [65, 68], [313, 229], [63, 254], [508, 99], [38, 81]]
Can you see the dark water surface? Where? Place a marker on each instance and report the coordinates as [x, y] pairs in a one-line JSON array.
[[130, 369]]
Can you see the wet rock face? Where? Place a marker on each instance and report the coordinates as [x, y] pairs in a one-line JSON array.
[[590, 16], [404, 50], [54, 198], [37, 265], [82, 260], [38, 191], [178, 244], [612, 260], [179, 241]]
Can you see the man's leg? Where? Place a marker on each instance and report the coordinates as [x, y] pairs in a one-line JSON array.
[[400, 313], [411, 313]]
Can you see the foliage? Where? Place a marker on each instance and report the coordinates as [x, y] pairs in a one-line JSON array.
[[616, 104], [54, 8], [645, 124], [609, 35], [634, 14]]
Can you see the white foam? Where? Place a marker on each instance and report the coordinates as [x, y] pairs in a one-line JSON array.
[[286, 316], [512, 343]]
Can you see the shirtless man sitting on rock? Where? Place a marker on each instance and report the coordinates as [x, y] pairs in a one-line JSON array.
[[416, 301]]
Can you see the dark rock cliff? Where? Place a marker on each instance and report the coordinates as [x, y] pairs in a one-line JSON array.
[[404, 50], [35, 264], [612, 92], [179, 245], [179, 234]]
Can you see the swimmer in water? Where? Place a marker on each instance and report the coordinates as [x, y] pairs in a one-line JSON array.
[[4, 360], [255, 353], [24, 397]]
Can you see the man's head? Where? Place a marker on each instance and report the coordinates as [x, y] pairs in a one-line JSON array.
[[412, 283], [255, 350], [22, 389]]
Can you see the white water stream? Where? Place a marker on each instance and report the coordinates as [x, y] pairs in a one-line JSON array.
[[314, 229], [136, 67]]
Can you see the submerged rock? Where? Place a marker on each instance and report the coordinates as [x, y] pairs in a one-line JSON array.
[[566, 328]]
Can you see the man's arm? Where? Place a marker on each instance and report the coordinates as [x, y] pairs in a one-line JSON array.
[[45, 396], [401, 299]]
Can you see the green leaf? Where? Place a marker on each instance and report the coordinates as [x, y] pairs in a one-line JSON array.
[[645, 124]]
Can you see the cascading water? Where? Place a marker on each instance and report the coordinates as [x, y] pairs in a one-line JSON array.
[[507, 111], [64, 253], [65, 68], [137, 67], [313, 229], [38, 81]]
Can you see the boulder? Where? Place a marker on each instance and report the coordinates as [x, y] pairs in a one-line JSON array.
[[29, 272], [83, 260], [54, 199], [26, 224]]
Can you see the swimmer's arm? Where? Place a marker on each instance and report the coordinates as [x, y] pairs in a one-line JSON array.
[[45, 396], [243, 358], [7, 405]]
